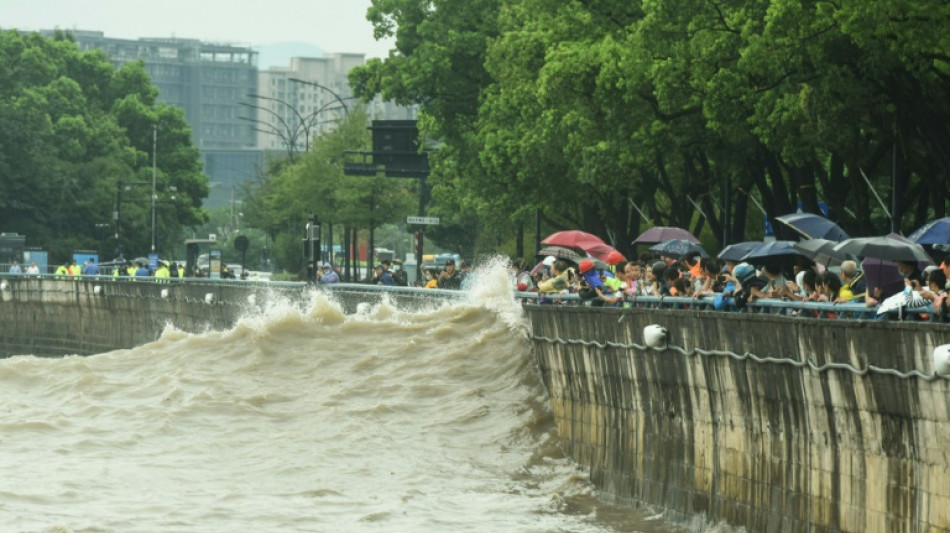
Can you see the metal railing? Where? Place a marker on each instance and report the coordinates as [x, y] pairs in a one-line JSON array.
[[770, 306], [767, 306]]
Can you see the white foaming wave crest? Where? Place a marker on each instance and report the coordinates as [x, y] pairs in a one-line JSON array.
[[491, 286]]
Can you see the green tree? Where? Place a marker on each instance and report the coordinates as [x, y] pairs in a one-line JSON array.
[[71, 127], [580, 109], [314, 183]]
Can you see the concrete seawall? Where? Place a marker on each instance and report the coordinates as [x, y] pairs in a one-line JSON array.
[[768, 422], [48, 317], [771, 445]]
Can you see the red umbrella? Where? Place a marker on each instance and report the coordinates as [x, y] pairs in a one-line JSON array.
[[573, 239], [659, 234], [601, 251]]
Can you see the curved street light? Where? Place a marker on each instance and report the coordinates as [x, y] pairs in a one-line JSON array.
[[346, 110], [287, 132]]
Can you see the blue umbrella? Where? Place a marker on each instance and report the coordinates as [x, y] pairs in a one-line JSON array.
[[813, 226], [677, 248], [771, 250], [735, 252], [934, 232]]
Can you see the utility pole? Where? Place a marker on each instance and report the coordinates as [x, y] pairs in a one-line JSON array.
[[154, 197]]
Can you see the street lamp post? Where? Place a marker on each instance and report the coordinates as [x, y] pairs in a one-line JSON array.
[[119, 187], [154, 196]]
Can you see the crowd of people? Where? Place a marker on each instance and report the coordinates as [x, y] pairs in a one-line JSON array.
[[729, 284], [619, 282], [392, 273]]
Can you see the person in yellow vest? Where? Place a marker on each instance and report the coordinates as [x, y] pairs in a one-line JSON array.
[[62, 270], [162, 271], [130, 269], [181, 271], [73, 269]]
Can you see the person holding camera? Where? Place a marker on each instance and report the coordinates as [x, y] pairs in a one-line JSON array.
[[559, 280]]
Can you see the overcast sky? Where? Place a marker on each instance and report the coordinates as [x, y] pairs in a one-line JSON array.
[[331, 25]]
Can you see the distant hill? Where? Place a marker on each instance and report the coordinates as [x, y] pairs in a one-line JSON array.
[[279, 54]]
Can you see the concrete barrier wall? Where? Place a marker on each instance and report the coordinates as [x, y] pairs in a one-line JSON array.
[[50, 317], [771, 445]]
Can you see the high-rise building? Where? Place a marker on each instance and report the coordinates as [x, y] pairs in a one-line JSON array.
[[210, 82]]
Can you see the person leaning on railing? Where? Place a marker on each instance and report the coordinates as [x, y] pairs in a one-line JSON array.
[[937, 294], [559, 281]]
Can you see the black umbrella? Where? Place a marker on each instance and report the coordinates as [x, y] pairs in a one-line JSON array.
[[677, 248], [735, 252], [813, 226], [560, 252], [883, 248], [778, 253], [821, 251]]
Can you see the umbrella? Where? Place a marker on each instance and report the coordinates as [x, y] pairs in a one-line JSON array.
[[813, 226], [735, 252], [560, 252], [883, 248], [934, 232], [771, 250], [820, 251], [882, 274], [677, 247], [573, 239], [601, 251], [659, 234]]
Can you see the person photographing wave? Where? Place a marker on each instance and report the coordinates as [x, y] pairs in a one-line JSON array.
[[450, 277]]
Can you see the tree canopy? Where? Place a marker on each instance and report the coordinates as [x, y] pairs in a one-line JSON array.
[[291, 189], [71, 127], [697, 112]]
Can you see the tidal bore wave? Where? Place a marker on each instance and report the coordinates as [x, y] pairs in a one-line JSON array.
[[299, 420]]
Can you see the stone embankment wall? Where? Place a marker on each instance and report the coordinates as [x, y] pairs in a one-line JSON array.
[[45, 316], [771, 445]]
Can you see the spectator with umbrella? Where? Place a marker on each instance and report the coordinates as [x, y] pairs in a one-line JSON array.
[[560, 280], [937, 294], [854, 288], [879, 253]]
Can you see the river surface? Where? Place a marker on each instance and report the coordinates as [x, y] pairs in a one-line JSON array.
[[300, 420]]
